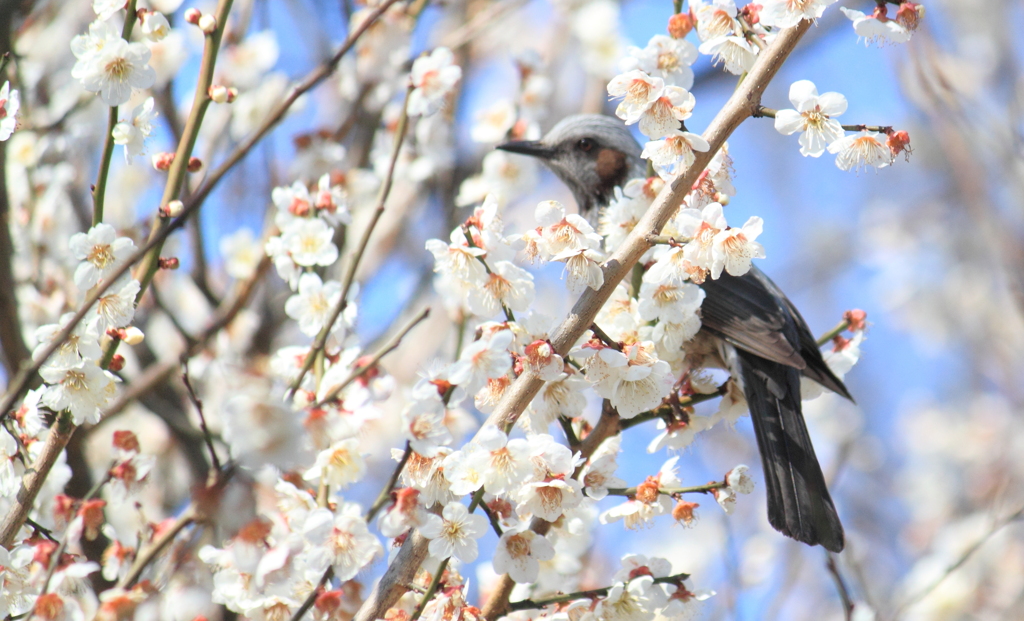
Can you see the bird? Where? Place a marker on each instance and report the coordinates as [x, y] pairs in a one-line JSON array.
[[749, 327]]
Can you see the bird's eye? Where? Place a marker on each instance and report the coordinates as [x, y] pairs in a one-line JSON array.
[[585, 144]]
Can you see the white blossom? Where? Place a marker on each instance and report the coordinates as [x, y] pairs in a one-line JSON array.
[[865, 149], [875, 30], [341, 540], [101, 252], [634, 379], [519, 553], [787, 13], [338, 466], [814, 116], [10, 102], [432, 77], [309, 241], [312, 304], [454, 533], [638, 90], [115, 69], [132, 134], [82, 390]]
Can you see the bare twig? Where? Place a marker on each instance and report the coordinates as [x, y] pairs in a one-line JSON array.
[[311, 598], [530, 604], [967, 554], [385, 493], [202, 417], [391, 345], [885, 129], [670, 491], [844, 593]]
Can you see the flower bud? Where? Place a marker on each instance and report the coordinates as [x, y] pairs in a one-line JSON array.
[[751, 13], [218, 93], [195, 164], [168, 263], [193, 15], [208, 23], [163, 161], [116, 363], [680, 25], [154, 25], [133, 336], [172, 209], [856, 319]]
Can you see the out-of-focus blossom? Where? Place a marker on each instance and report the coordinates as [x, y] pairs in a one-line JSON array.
[[132, 133], [432, 78], [10, 101], [864, 149], [242, 253], [787, 13]]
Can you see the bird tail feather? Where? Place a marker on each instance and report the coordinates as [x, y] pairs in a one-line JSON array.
[[799, 505]]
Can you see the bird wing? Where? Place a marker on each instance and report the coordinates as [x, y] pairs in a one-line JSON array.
[[754, 315], [747, 312]]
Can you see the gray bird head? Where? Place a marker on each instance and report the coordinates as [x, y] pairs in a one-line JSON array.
[[590, 153]]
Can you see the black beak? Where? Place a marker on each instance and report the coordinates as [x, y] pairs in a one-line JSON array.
[[533, 148]]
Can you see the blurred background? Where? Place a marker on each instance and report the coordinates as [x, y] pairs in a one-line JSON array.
[[927, 469]]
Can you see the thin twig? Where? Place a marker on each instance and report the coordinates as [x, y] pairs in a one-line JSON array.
[[603, 336], [385, 493], [100, 189], [967, 554], [833, 333], [844, 593], [186, 519], [375, 358], [670, 491], [202, 417], [311, 598], [350, 274], [530, 604], [885, 129]]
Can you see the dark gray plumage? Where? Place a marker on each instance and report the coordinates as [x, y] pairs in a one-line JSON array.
[[748, 324]]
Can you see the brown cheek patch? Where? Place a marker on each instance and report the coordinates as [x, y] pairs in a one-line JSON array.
[[611, 167]]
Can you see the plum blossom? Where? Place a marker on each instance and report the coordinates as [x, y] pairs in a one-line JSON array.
[[669, 300], [506, 286], [637, 600], [81, 344], [734, 248], [10, 102], [582, 269], [665, 58], [865, 149], [341, 540], [675, 152], [82, 390], [116, 307], [814, 116], [132, 133], [432, 77], [634, 379], [519, 553], [454, 533], [638, 90], [114, 69], [735, 52], [101, 252], [787, 13], [483, 359], [154, 26], [599, 472], [550, 498], [560, 396], [663, 116], [242, 253], [310, 242], [311, 305], [648, 502], [338, 466], [877, 27]]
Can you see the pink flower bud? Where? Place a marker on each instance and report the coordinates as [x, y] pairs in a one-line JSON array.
[[163, 161], [193, 15], [208, 23]]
